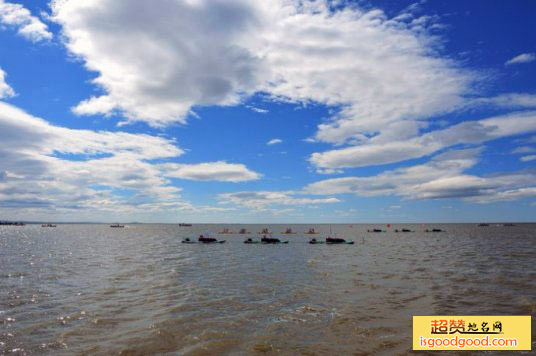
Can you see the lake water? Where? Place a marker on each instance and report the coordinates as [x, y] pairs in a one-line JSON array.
[[91, 289]]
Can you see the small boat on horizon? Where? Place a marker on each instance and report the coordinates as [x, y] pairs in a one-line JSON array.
[[225, 231], [376, 230], [434, 230], [265, 231], [404, 230], [12, 223], [289, 231], [483, 224], [311, 231], [243, 231], [117, 225], [184, 224], [48, 225]]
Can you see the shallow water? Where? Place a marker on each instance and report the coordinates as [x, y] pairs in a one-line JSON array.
[[91, 289]]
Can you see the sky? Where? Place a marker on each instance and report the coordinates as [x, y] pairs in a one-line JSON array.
[[238, 111]]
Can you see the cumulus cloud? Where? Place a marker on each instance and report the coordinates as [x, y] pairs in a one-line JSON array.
[[50, 166], [377, 151], [258, 110], [215, 171], [442, 177], [5, 89], [528, 158], [157, 59], [524, 149], [522, 58], [274, 141], [17, 16], [169, 56], [266, 200], [509, 100]]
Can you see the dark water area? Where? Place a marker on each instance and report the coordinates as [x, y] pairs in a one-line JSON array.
[[92, 289]]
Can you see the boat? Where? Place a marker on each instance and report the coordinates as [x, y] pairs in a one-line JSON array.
[[483, 224], [289, 231], [48, 225], [225, 231], [250, 241], [434, 230], [509, 224], [243, 231], [209, 240], [117, 225], [272, 240], [12, 223], [404, 230], [184, 224], [316, 242], [264, 231], [311, 231], [336, 240], [203, 240], [331, 241], [376, 230]]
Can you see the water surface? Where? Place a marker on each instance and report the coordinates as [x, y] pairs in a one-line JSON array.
[[91, 289]]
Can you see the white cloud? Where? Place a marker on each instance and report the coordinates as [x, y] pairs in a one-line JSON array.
[[509, 100], [522, 58], [528, 158], [377, 151], [16, 15], [46, 166], [5, 89], [266, 200], [215, 171], [256, 109], [157, 59], [524, 149], [442, 177], [172, 55], [274, 141]]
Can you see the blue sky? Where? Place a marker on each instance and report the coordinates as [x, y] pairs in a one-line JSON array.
[[268, 111]]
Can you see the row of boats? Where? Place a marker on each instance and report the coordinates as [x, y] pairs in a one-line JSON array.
[[268, 240], [406, 230]]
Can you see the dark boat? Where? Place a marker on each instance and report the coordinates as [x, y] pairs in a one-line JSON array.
[[336, 240], [264, 231], [404, 230], [243, 231], [250, 241], [188, 241], [375, 230], [184, 224], [48, 225], [331, 241], [509, 224], [117, 225], [434, 230], [483, 224], [311, 231], [209, 240], [272, 240]]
